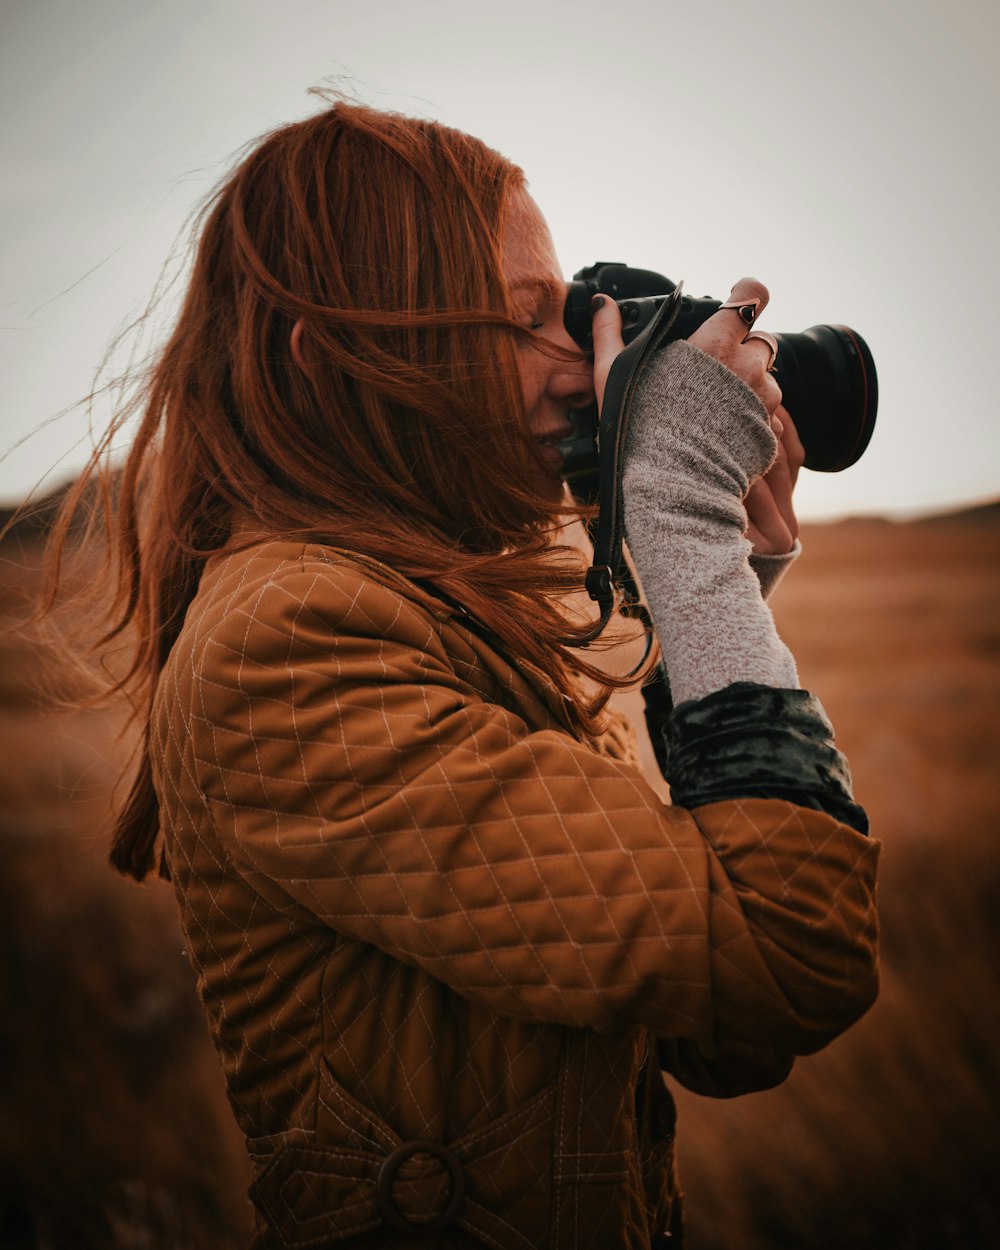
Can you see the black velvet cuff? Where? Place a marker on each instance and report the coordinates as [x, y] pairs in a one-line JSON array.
[[752, 741]]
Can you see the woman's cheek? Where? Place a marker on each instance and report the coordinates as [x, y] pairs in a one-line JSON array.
[[529, 388]]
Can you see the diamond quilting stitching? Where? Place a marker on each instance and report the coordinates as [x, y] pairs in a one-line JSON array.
[[334, 781]]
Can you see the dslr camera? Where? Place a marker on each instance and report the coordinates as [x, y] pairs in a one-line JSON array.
[[826, 373]]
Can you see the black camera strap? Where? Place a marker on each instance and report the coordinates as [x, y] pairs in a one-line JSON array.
[[608, 570]]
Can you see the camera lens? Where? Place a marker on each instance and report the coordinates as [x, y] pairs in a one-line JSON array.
[[829, 385]]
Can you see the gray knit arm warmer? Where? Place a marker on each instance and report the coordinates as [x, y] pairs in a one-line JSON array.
[[770, 569], [697, 437]]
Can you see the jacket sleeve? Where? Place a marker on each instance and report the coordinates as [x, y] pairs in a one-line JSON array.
[[345, 762]]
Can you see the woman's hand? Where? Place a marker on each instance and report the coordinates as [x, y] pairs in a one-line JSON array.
[[606, 327], [772, 526], [726, 336], [771, 523], [723, 335]]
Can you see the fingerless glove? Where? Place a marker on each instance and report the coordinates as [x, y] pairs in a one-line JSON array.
[[696, 439]]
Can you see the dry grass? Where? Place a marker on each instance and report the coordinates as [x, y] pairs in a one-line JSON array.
[[114, 1131]]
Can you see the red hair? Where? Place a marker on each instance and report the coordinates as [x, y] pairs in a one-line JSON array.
[[402, 435]]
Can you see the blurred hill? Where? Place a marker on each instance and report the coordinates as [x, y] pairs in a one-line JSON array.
[[114, 1130], [889, 1138]]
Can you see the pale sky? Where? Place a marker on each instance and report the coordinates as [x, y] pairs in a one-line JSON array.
[[846, 154]]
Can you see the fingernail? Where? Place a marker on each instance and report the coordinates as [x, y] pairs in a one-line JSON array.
[[777, 426], [596, 303]]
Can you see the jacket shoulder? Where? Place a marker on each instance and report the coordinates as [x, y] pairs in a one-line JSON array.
[[304, 590]]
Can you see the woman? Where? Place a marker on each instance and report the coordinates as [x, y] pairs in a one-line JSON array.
[[446, 936]]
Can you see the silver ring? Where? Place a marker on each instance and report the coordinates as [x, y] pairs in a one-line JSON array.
[[762, 336]]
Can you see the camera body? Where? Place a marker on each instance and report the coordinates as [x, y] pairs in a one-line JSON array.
[[826, 373]]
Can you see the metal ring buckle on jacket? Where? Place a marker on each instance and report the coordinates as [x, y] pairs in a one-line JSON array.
[[385, 1204]]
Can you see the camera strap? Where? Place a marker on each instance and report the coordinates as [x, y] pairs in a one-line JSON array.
[[606, 574]]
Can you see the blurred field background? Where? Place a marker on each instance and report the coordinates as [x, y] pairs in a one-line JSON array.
[[114, 1129]]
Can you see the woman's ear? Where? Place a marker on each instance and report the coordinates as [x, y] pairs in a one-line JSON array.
[[295, 342]]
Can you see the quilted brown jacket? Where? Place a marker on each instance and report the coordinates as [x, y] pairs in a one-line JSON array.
[[437, 936]]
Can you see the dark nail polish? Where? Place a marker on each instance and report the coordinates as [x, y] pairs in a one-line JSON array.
[[596, 302]]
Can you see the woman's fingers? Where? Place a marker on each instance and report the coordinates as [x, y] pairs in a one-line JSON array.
[[728, 335], [608, 342], [772, 524], [724, 336], [767, 529], [724, 333], [791, 443], [747, 300]]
